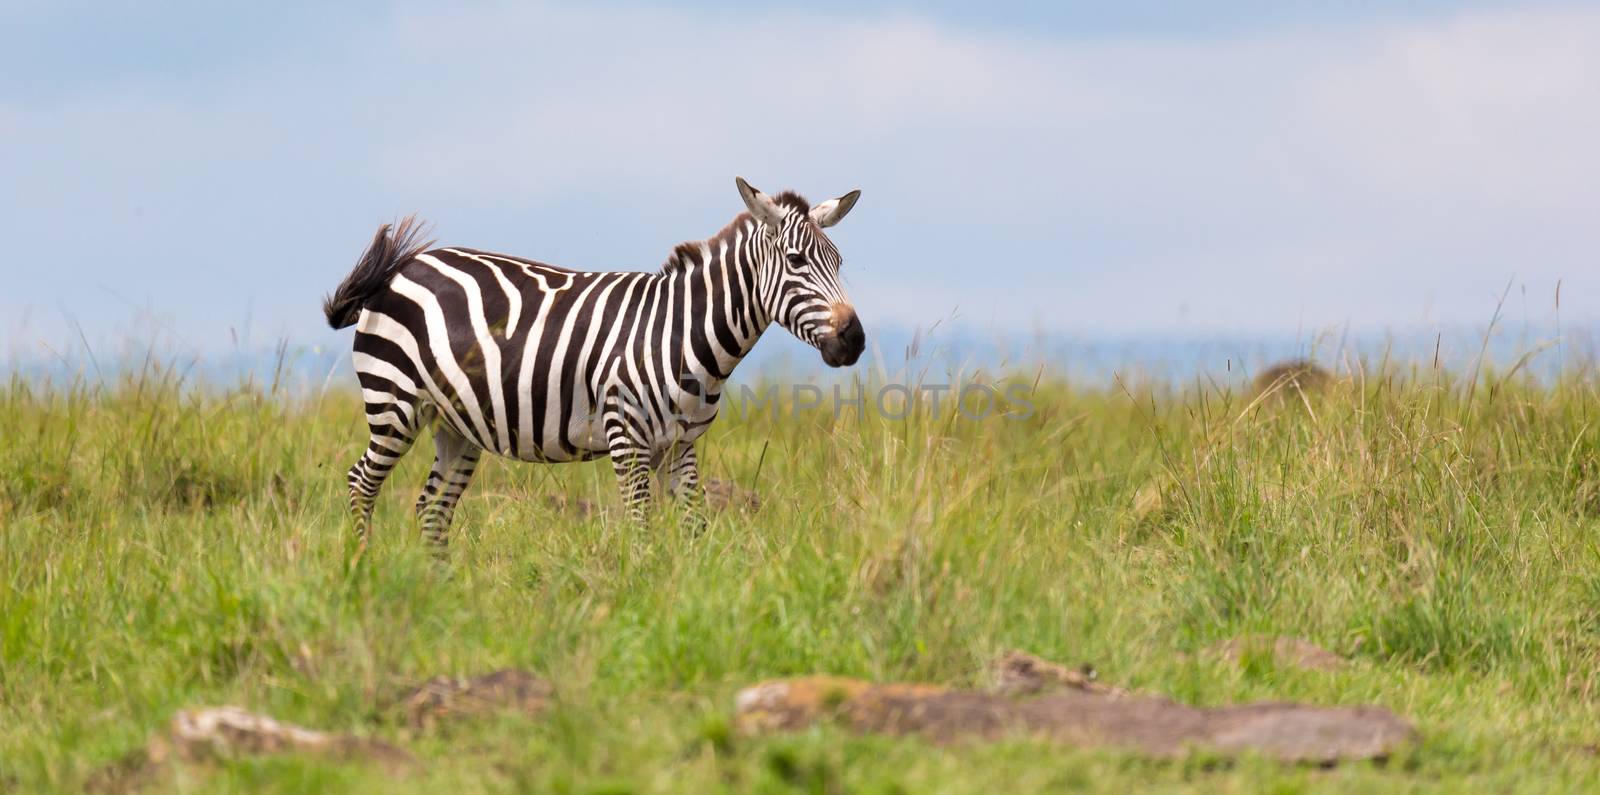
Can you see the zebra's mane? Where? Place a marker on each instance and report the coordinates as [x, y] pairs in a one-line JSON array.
[[683, 256], [789, 198], [687, 254]]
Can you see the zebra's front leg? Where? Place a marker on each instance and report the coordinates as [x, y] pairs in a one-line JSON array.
[[680, 474], [631, 460]]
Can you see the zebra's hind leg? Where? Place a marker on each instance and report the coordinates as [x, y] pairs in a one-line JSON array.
[[393, 427], [435, 481], [680, 475], [454, 460]]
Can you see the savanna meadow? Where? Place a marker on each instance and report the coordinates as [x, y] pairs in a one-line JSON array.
[[417, 397], [1414, 537]]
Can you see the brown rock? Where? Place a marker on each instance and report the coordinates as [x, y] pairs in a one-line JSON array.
[[1077, 715], [893, 709], [508, 689], [1286, 651]]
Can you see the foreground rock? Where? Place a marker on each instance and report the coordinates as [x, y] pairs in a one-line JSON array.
[[1292, 652], [207, 734], [444, 697], [1075, 711]]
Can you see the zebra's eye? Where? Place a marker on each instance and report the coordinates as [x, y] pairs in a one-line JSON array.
[[796, 258]]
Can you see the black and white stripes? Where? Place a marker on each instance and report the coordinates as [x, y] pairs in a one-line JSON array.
[[540, 363]]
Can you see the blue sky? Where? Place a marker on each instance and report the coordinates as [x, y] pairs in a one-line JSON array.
[[210, 170]]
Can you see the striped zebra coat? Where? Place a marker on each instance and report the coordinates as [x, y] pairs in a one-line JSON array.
[[540, 363]]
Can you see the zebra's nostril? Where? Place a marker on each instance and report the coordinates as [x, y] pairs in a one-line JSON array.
[[852, 332]]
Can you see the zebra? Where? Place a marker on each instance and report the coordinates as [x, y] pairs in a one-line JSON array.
[[543, 364]]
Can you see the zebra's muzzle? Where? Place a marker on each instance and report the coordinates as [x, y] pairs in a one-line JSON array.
[[844, 345]]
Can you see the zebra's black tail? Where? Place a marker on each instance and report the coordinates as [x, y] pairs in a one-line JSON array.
[[389, 250]]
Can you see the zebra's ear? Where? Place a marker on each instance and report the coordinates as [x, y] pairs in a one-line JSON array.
[[833, 211], [761, 205]]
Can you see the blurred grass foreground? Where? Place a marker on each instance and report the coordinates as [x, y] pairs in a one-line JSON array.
[[166, 546]]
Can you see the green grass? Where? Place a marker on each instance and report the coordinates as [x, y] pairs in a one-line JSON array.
[[164, 547]]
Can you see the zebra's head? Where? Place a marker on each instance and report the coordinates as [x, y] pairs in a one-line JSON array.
[[798, 272]]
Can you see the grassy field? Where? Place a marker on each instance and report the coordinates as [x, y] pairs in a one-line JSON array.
[[165, 548]]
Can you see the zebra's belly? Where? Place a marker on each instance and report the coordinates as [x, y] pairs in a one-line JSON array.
[[588, 437], [535, 437]]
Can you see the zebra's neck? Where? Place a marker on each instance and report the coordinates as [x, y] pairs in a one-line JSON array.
[[715, 285]]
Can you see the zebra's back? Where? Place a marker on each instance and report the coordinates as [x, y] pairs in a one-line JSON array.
[[506, 349]]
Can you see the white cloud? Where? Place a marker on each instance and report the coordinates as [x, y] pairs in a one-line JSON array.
[[1387, 174]]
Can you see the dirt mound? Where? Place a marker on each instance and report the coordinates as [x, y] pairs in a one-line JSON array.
[[579, 507], [1075, 712], [722, 495], [1285, 651], [1018, 673], [1291, 379], [444, 697], [207, 734]]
